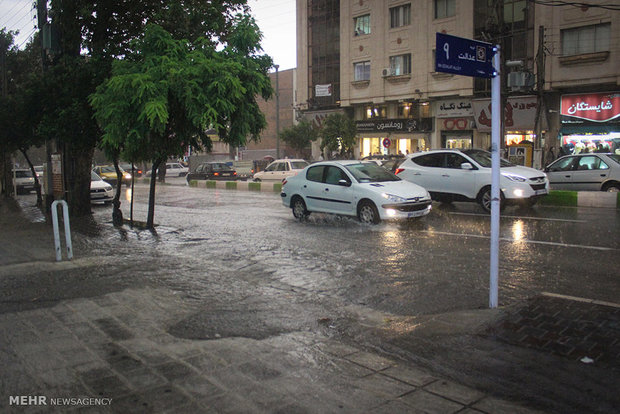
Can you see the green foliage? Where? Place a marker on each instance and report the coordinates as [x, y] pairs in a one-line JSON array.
[[299, 136], [338, 135]]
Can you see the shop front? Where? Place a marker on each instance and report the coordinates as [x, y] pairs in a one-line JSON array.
[[393, 136], [455, 123], [590, 123], [519, 125]]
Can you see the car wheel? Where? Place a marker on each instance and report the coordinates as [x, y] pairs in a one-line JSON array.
[[612, 188], [484, 199], [367, 213], [299, 208], [257, 180]]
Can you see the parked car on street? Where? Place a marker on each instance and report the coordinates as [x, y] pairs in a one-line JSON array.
[[585, 172], [212, 171], [100, 191], [354, 188], [137, 171], [40, 171], [278, 170], [173, 169], [465, 175], [24, 180], [108, 174]]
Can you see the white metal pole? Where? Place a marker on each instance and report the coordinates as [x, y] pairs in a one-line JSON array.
[[495, 174]]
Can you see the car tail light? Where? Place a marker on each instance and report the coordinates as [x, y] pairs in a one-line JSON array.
[[235, 173], [284, 182], [216, 174], [399, 170]]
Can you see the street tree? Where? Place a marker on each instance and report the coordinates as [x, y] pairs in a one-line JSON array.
[[338, 135], [165, 94], [300, 136]]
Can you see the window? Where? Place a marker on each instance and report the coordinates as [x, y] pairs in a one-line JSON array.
[[444, 8], [362, 71], [591, 162], [408, 110], [430, 160], [400, 16], [334, 175], [454, 161], [315, 174], [586, 39], [371, 112], [400, 65], [362, 25]]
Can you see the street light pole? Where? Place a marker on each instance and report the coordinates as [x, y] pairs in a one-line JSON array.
[[277, 113]]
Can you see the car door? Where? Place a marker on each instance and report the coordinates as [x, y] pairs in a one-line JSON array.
[[426, 171], [337, 198], [560, 173], [312, 188], [589, 172], [453, 179], [280, 172]]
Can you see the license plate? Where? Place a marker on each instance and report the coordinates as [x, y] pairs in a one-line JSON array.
[[416, 213], [539, 192]]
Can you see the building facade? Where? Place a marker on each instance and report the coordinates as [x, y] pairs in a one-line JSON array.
[[388, 83]]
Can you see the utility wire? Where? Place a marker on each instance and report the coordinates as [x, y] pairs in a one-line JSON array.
[[559, 3]]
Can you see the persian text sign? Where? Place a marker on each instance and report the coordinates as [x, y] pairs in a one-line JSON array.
[[462, 56], [597, 107]]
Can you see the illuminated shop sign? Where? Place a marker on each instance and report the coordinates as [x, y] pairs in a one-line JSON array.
[[597, 107], [395, 125]]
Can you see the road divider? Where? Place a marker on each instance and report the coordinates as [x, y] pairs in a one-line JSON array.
[[238, 185]]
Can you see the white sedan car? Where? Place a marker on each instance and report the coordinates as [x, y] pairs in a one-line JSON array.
[[455, 175], [280, 169], [354, 188], [100, 191]]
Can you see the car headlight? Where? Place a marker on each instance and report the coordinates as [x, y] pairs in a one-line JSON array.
[[517, 178], [394, 198], [127, 176]]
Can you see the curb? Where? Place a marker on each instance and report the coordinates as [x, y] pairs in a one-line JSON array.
[[238, 185]]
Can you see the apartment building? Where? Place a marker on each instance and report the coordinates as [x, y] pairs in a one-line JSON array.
[[375, 60]]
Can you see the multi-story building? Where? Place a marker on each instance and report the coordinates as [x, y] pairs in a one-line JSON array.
[[375, 60]]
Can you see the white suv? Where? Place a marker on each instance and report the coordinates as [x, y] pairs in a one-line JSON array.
[[465, 175]]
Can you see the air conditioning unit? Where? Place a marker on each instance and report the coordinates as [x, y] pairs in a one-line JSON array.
[[387, 72], [520, 80]]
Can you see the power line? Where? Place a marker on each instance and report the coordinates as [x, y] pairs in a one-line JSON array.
[[559, 3], [27, 38], [8, 21]]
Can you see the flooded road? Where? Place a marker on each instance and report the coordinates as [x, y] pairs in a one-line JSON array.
[[437, 264]]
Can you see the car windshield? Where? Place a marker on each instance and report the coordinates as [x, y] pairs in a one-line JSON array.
[[298, 165], [108, 169], [484, 158], [370, 172], [615, 157], [221, 167], [23, 173], [94, 176]]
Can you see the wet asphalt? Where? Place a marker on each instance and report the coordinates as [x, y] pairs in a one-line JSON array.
[[252, 270]]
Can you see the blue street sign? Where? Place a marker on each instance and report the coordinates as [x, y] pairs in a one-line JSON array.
[[462, 56]]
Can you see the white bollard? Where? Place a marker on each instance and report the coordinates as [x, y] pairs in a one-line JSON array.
[[65, 215]]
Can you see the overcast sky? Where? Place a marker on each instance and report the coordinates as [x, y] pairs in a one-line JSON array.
[[276, 19]]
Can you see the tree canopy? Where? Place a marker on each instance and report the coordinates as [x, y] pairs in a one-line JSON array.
[[299, 136], [338, 135], [166, 93]]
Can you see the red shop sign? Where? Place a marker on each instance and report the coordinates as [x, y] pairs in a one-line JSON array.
[[598, 107]]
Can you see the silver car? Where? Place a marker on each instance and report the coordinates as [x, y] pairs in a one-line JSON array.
[[585, 172], [24, 180]]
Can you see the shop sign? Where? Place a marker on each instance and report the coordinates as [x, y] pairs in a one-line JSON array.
[[453, 109], [323, 90], [520, 113], [460, 124], [395, 125], [597, 107]]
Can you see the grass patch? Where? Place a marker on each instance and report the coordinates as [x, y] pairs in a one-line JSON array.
[[560, 198], [231, 185], [253, 186], [210, 184], [193, 183], [277, 187]]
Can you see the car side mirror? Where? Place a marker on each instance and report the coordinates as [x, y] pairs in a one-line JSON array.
[[344, 183], [467, 166], [546, 169]]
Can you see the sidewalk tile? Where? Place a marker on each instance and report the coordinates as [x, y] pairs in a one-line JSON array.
[[454, 392], [372, 361], [409, 375], [431, 403]]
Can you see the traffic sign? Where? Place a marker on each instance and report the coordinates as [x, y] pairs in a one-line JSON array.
[[462, 56], [387, 142]]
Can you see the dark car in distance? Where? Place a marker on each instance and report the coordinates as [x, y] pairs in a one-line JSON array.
[[212, 171]]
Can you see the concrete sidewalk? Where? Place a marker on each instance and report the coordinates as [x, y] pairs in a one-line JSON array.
[[115, 352]]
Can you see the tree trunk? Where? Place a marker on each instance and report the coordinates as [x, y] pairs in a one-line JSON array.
[[151, 212], [78, 165], [117, 214]]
